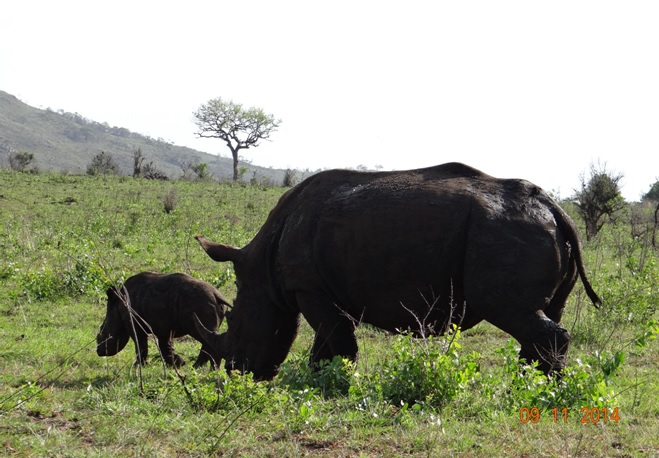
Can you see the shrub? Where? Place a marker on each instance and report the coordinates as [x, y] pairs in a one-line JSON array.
[[82, 277], [102, 164], [19, 161], [151, 172], [329, 378], [630, 292], [290, 178], [429, 371], [584, 383]]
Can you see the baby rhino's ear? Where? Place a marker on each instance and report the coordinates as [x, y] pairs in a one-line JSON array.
[[111, 292]]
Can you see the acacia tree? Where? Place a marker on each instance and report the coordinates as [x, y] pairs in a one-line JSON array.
[[240, 128], [598, 199]]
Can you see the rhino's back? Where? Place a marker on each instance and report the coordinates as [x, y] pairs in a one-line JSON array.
[[363, 213], [402, 237], [170, 299]]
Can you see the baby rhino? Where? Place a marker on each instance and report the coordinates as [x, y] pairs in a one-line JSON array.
[[163, 305]]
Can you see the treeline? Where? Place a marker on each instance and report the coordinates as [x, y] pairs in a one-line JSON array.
[[89, 127], [104, 163]]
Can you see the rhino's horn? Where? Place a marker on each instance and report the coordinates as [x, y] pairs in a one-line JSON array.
[[212, 338], [218, 251], [201, 328], [208, 335]]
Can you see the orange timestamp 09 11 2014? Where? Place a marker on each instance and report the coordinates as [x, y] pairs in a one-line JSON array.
[[588, 414]]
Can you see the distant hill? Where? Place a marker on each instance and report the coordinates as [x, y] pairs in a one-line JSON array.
[[68, 142]]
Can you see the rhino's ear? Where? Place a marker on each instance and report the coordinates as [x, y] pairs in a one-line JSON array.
[[218, 251], [111, 292]]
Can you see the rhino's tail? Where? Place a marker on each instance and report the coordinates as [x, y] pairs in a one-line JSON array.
[[566, 225]]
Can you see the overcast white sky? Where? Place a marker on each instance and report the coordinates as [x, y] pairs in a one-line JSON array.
[[528, 89]]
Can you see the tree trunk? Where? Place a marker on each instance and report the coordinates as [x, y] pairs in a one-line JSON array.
[[656, 224], [234, 153], [591, 229]]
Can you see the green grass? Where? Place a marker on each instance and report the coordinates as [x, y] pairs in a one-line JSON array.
[[64, 239]]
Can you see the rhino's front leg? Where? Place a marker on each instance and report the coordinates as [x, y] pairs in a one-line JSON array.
[[205, 355], [335, 330], [141, 348]]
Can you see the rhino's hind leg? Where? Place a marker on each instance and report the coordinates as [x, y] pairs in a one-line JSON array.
[[550, 353], [541, 339], [335, 331]]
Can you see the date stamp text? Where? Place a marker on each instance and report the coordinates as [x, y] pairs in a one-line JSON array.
[[588, 415]]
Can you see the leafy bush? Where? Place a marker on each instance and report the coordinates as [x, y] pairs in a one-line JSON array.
[[630, 293], [429, 371], [103, 164], [650, 331], [584, 383], [81, 277], [329, 378], [19, 161]]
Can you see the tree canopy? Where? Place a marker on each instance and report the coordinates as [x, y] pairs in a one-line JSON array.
[[239, 127], [598, 199], [20, 160], [103, 164], [653, 193]]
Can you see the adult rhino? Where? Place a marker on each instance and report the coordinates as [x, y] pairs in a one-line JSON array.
[[401, 250]]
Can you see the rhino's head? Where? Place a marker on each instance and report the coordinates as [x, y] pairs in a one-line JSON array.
[[112, 336], [260, 333]]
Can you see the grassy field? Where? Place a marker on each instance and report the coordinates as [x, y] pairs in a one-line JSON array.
[[65, 239]]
